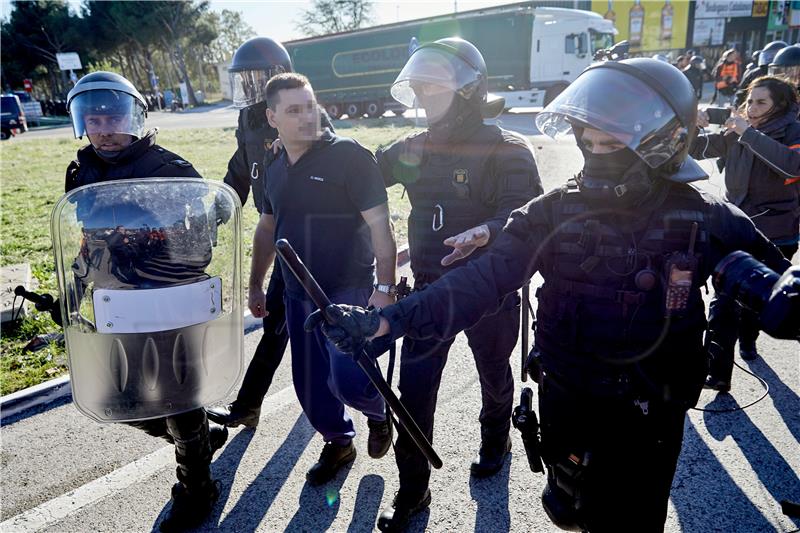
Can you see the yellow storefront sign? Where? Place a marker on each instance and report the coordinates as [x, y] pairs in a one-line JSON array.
[[649, 26]]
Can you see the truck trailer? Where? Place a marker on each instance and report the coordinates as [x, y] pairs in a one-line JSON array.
[[532, 53]]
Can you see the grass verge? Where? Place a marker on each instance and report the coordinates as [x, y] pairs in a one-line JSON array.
[[32, 174]]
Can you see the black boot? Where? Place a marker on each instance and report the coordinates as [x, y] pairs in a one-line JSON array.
[[380, 437], [396, 518], [720, 368], [191, 505], [490, 458], [217, 436], [717, 384], [747, 350], [331, 460], [234, 414]]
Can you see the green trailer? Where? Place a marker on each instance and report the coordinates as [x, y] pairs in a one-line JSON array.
[[352, 72]]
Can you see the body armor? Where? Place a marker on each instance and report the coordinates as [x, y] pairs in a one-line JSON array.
[[603, 307], [448, 190]]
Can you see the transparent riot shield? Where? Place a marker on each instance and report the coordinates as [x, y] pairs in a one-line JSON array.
[[149, 275]]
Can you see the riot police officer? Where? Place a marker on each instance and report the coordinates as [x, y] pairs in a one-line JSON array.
[[787, 63], [255, 62], [765, 57], [624, 249], [109, 110], [463, 179]]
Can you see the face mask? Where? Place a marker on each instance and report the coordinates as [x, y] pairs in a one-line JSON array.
[[617, 178], [611, 166]]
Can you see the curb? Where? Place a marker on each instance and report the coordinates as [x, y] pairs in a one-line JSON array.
[[12, 405]]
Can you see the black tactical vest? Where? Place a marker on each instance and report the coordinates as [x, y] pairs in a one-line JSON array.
[[258, 138], [448, 196], [606, 277]]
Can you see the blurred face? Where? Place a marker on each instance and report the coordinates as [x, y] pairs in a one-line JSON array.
[[434, 99], [759, 105], [599, 142], [296, 115], [101, 130]]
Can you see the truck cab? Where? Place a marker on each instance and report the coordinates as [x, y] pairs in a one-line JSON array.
[[562, 46]]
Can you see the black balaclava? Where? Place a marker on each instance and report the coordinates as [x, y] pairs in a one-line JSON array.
[[458, 122], [616, 179]]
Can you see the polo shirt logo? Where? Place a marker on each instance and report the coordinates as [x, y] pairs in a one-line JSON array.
[[317, 178]]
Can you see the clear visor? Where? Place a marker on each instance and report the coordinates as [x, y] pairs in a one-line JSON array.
[[106, 112], [432, 70], [250, 86], [792, 72], [622, 106]]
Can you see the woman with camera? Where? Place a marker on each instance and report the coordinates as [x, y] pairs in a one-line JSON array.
[[760, 150]]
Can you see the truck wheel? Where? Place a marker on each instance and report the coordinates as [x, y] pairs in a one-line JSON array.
[[552, 92], [374, 109], [353, 110], [5, 134], [334, 111]]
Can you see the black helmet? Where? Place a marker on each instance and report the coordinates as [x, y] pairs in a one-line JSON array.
[[254, 63], [768, 53], [109, 94], [451, 63], [648, 105], [787, 63]]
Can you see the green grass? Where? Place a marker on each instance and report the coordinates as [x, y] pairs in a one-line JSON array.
[[32, 180]]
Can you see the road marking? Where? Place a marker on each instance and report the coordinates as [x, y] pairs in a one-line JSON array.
[[57, 509]]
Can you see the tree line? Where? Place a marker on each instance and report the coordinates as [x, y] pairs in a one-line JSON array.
[[174, 41]]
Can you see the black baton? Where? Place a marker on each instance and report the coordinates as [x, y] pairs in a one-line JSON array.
[[525, 309], [366, 363]]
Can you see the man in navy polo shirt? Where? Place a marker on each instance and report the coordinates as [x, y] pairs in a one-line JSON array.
[[326, 196]]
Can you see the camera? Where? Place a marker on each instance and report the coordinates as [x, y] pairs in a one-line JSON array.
[[718, 115], [775, 298]]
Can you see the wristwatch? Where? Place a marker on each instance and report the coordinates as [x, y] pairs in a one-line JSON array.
[[385, 288]]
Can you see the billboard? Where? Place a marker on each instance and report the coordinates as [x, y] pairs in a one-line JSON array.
[[709, 9], [648, 26]]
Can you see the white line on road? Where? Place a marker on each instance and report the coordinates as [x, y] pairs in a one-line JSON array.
[[59, 508]]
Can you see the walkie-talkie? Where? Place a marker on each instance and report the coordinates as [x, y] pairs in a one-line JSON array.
[[680, 268]]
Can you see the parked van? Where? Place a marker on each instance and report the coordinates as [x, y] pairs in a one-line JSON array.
[[13, 116]]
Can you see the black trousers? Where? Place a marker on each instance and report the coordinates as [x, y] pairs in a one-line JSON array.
[[422, 362], [189, 433], [630, 457], [727, 322], [270, 349]]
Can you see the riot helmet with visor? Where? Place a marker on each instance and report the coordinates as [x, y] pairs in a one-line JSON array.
[[449, 65], [787, 63], [255, 62], [105, 103]]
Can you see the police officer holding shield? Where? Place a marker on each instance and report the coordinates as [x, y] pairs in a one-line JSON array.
[[624, 249], [255, 62], [136, 372], [463, 178]]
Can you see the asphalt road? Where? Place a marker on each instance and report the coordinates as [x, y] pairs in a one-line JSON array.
[[63, 472]]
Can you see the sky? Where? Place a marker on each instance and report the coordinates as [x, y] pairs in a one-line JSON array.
[[276, 19]]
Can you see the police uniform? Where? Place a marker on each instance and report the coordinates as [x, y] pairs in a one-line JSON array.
[[624, 250], [189, 431], [476, 178], [615, 378]]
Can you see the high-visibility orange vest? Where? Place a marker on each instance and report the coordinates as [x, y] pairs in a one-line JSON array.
[[727, 70]]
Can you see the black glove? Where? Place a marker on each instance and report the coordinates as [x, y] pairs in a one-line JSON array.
[[350, 328]]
